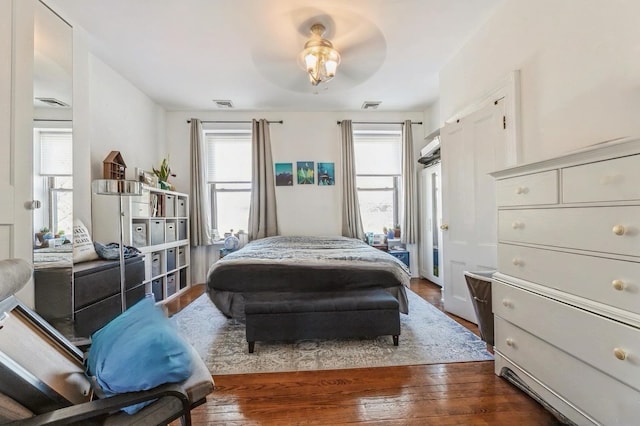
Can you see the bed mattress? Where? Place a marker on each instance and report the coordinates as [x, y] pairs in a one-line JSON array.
[[286, 264]]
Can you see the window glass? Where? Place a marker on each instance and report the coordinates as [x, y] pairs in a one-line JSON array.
[[378, 170], [61, 204], [233, 211], [229, 178]]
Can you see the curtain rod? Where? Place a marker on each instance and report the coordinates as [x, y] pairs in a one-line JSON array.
[[50, 119], [382, 122], [236, 121]]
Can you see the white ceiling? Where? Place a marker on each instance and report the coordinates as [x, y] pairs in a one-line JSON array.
[[185, 53]]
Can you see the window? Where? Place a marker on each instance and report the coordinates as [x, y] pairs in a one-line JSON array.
[[378, 157], [56, 187], [61, 204], [229, 178]]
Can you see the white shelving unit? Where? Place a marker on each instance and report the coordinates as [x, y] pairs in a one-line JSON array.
[[157, 224]]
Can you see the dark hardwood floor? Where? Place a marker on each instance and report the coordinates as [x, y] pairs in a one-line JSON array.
[[441, 394]]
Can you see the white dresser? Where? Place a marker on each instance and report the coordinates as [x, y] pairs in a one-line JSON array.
[[566, 297]]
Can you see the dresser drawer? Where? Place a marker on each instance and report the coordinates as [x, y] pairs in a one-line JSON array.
[[533, 189], [596, 340], [611, 282], [610, 180], [600, 396], [589, 228], [93, 281]]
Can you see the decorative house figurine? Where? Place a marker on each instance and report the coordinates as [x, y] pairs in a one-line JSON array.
[[113, 167]]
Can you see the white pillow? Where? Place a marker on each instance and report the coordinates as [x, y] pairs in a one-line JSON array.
[[83, 249]]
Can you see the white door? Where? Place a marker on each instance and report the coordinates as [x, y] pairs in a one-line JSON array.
[[470, 148], [431, 216], [16, 115]]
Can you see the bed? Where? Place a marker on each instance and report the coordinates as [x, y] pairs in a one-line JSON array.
[[303, 264]]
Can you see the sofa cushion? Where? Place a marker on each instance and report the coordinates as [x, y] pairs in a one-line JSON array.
[[138, 350], [14, 274]]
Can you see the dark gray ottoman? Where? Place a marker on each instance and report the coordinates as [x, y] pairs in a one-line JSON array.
[[321, 315]]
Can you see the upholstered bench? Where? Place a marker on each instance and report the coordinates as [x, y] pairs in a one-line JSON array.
[[321, 315]]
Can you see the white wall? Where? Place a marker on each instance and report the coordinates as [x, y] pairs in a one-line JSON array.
[[580, 70], [431, 119], [109, 114], [304, 136], [123, 119]]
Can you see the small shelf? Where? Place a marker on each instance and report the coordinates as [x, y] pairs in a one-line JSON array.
[[156, 223]]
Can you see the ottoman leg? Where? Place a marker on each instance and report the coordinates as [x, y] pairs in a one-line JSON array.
[[395, 340], [252, 345]]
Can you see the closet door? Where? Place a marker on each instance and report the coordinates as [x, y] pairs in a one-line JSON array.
[[471, 148], [16, 115]]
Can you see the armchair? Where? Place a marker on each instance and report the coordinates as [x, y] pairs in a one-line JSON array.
[[42, 378]]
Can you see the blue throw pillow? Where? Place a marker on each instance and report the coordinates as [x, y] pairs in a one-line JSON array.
[[138, 350]]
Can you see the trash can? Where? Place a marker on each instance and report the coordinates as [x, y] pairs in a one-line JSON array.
[[479, 285]]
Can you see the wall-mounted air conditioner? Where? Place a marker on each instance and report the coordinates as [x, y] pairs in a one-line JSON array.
[[431, 152]]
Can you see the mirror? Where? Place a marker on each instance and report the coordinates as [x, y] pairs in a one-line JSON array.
[[52, 161]]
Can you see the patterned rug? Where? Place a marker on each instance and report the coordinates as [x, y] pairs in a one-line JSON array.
[[427, 337]]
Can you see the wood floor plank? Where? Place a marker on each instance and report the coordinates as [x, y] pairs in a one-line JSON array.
[[440, 394]]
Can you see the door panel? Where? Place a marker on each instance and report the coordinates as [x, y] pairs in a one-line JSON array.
[[16, 115], [471, 148], [431, 216]]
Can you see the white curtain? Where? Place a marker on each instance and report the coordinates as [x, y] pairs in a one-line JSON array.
[[200, 219], [351, 220], [409, 233], [202, 252], [262, 211]]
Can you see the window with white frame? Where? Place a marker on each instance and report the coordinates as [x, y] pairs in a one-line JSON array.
[[56, 187], [378, 158], [229, 178]]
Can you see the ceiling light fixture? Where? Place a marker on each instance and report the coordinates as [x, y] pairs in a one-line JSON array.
[[319, 58]]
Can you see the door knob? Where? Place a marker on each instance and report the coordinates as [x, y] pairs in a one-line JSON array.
[[33, 204], [444, 227]]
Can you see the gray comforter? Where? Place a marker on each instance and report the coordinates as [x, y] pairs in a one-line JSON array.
[[293, 264]]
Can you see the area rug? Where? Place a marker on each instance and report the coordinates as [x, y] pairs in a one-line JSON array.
[[427, 337]]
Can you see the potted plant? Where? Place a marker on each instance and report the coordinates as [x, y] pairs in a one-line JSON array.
[[163, 173]]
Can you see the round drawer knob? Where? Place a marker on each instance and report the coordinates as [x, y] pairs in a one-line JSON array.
[[620, 354], [521, 190], [507, 303], [618, 230], [516, 261], [516, 225], [510, 342], [618, 285]]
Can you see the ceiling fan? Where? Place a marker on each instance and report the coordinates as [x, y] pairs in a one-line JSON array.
[[280, 58]]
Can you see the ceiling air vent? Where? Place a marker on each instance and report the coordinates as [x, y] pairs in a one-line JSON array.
[[223, 103], [371, 104], [53, 102]]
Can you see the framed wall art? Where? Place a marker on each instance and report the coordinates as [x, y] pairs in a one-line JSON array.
[[284, 174], [305, 173], [326, 174]]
